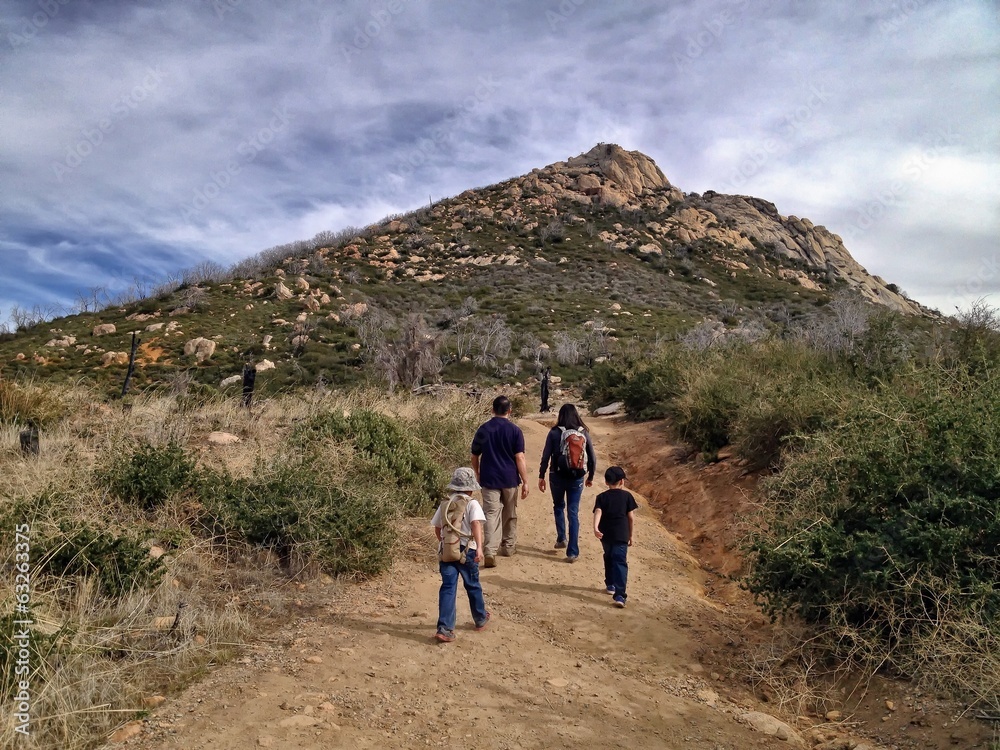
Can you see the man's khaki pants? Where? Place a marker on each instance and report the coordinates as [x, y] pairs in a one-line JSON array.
[[500, 507]]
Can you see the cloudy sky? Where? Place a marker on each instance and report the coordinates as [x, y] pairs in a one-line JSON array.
[[140, 138]]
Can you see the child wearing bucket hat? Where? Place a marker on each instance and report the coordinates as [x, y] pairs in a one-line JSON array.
[[461, 516]]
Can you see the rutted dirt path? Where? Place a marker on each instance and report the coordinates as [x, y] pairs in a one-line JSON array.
[[557, 667]]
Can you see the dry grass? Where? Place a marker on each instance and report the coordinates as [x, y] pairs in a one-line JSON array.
[[100, 656]]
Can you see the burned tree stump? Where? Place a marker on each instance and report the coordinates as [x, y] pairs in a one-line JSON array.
[[29, 440], [249, 378]]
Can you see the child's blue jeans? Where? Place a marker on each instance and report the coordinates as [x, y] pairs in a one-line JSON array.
[[469, 573], [616, 567]]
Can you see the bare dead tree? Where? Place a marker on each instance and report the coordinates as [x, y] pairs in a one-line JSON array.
[[566, 349], [411, 356], [371, 329], [491, 341], [206, 272], [532, 348]]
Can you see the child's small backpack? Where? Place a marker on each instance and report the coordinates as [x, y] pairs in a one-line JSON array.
[[572, 459], [452, 511]]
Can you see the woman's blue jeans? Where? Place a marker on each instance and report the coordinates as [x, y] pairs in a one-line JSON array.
[[566, 502]]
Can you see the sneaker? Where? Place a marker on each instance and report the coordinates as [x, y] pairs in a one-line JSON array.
[[571, 558], [610, 590], [445, 636], [560, 544], [619, 602], [489, 561], [482, 625]]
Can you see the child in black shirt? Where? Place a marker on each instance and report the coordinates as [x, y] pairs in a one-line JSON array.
[[614, 512]]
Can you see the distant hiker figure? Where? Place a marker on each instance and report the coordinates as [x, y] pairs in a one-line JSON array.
[[498, 460], [614, 518], [458, 525], [571, 452], [545, 390]]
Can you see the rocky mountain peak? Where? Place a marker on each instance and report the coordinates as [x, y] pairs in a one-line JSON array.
[[631, 172]]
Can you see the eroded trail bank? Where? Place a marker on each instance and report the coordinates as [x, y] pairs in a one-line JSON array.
[[558, 665]]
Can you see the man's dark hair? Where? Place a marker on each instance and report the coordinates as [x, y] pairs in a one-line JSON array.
[[501, 405]]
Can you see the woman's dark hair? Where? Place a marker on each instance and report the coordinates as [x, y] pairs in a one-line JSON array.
[[569, 418]]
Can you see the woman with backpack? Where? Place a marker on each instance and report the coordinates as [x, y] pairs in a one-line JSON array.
[[573, 464]]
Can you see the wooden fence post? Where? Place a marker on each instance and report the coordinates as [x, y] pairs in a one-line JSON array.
[[249, 378], [131, 363]]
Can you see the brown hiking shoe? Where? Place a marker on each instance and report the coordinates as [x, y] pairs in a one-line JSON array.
[[489, 561]]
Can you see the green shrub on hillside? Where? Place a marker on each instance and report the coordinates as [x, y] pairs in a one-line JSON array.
[[118, 562], [887, 525], [388, 452], [445, 435], [647, 393], [296, 505], [149, 474], [753, 396]]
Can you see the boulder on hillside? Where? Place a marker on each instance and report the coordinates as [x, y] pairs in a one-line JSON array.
[[767, 724], [282, 292], [231, 380], [65, 341], [154, 326], [201, 348], [613, 408], [264, 365], [114, 358], [104, 329], [301, 284], [222, 438]]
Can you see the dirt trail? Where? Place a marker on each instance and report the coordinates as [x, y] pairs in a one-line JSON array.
[[558, 665]]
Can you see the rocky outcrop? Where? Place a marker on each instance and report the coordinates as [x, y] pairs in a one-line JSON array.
[[104, 329], [114, 358], [201, 348], [607, 174], [631, 172], [801, 240]]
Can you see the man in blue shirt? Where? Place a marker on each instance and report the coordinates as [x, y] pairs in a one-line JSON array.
[[498, 460]]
